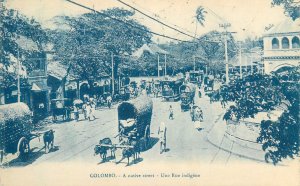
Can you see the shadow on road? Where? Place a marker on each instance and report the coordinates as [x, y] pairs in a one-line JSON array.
[[33, 156], [152, 142]]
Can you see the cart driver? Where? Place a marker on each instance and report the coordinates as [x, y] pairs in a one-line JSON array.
[[162, 130]]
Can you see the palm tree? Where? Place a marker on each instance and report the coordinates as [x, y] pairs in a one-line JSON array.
[[200, 15]]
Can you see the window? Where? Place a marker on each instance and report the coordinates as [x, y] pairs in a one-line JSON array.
[[285, 43], [295, 42], [275, 43]]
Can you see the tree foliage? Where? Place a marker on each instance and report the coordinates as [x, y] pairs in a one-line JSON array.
[[13, 26], [291, 7], [200, 15], [280, 139], [89, 41]]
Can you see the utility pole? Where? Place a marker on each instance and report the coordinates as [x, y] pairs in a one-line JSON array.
[[194, 63], [225, 26], [158, 65], [241, 71], [18, 75], [165, 64], [251, 62], [112, 74]]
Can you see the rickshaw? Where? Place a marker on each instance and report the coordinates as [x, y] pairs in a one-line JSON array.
[[61, 107]]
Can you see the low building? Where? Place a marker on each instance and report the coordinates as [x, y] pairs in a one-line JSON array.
[[74, 87], [282, 46]]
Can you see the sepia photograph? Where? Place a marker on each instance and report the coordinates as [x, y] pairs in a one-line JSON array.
[[150, 92]]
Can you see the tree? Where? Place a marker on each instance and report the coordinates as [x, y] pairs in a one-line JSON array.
[[95, 38], [15, 25], [200, 15], [291, 7]]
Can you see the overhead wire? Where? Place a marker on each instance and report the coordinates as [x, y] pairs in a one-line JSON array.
[[126, 23], [154, 19]]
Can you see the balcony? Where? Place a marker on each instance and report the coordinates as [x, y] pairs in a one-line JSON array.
[[282, 53]]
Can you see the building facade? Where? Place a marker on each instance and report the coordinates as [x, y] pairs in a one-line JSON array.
[[282, 46]]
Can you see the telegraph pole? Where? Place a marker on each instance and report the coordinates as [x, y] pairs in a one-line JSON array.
[[251, 62], [18, 75], [225, 26], [194, 63], [240, 52], [112, 74], [158, 65], [165, 64]]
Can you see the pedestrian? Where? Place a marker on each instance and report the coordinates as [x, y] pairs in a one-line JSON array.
[[88, 111], [199, 93], [76, 113], [162, 132], [171, 113], [109, 100], [192, 112], [201, 115], [92, 110], [84, 110]]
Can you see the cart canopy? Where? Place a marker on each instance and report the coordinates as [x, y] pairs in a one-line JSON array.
[[15, 122], [136, 113]]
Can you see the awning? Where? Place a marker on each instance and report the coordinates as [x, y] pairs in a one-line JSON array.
[[39, 86]]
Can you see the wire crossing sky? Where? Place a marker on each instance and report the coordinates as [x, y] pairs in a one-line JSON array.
[[245, 16]]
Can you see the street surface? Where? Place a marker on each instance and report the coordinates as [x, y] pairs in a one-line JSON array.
[[75, 141]]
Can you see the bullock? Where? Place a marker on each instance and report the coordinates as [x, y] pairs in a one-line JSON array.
[[101, 149], [48, 139]]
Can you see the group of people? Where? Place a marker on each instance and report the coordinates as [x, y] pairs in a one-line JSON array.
[[88, 107]]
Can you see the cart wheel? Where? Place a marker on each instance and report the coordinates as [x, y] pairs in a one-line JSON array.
[[147, 136], [270, 158], [23, 149], [2, 155]]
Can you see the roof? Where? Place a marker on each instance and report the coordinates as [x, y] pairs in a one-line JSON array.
[[286, 26], [152, 48], [39, 86], [26, 43], [56, 69]]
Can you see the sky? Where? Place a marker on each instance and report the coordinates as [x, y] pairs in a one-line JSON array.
[[248, 18]]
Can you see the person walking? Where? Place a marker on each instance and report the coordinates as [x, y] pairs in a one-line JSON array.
[[171, 113], [92, 110], [109, 100], [162, 132], [201, 115], [84, 110], [88, 111], [76, 113]]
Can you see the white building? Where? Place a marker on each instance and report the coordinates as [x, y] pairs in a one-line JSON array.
[[282, 46]]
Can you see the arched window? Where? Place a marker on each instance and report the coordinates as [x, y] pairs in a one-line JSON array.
[[285, 43], [295, 42], [275, 43]]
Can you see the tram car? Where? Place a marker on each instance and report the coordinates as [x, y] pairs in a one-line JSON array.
[[187, 95], [196, 77], [170, 89], [124, 93]]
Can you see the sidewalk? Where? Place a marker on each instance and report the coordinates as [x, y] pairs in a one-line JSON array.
[[220, 137]]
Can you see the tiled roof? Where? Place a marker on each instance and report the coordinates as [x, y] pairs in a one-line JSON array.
[[286, 26], [152, 48]]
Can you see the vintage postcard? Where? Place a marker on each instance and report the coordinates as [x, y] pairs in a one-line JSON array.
[[149, 92]]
